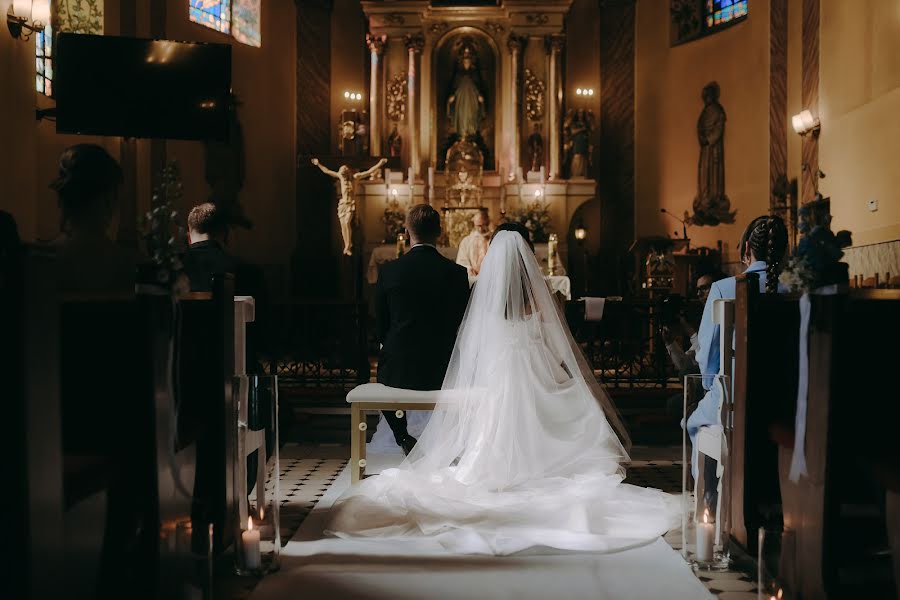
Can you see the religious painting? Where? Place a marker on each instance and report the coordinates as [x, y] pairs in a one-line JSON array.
[[465, 67]]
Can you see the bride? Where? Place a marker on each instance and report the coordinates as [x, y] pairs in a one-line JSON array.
[[524, 448]]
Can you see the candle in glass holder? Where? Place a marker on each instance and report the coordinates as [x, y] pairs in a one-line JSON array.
[[401, 244], [250, 541], [706, 533], [552, 243]]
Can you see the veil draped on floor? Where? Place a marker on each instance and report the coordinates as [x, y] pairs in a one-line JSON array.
[[523, 449]]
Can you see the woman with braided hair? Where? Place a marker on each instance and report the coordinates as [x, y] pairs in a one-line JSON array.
[[763, 245]]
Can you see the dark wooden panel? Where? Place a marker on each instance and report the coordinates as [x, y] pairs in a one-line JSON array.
[[777, 94], [614, 159], [810, 94]]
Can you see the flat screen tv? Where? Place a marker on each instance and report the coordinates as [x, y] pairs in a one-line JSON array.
[[139, 88]]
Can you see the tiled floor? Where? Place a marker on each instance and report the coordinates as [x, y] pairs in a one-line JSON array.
[[308, 470]]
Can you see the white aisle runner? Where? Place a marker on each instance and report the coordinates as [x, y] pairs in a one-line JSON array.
[[314, 567]]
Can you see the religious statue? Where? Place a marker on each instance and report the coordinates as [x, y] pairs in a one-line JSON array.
[[465, 104], [346, 208], [394, 142], [536, 148], [577, 128], [711, 205]]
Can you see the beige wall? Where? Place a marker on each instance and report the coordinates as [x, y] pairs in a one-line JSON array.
[[859, 106], [668, 82]]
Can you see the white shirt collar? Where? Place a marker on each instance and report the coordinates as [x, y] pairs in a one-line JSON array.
[[423, 244]]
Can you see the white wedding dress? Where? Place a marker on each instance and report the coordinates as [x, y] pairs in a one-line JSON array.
[[519, 452]]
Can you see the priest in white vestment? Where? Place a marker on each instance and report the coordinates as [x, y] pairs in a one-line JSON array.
[[474, 246]]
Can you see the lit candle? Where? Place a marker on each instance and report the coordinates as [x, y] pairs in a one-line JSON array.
[[706, 533], [250, 540], [401, 244], [543, 175]]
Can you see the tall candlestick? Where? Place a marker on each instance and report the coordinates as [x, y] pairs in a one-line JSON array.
[[250, 541], [387, 177], [431, 177], [761, 540], [519, 176], [502, 190], [543, 175], [706, 532]]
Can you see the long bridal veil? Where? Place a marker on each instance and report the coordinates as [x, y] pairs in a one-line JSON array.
[[523, 449]]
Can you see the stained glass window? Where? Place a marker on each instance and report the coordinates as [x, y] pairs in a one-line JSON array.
[[721, 12], [74, 16], [44, 61], [245, 22], [238, 18], [215, 14]]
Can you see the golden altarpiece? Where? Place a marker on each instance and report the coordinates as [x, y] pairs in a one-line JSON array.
[[471, 100]]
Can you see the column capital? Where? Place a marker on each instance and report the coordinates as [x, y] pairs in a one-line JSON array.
[[376, 43], [414, 42], [516, 42], [554, 42]]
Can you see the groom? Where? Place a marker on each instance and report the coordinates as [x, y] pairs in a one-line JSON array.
[[420, 300]]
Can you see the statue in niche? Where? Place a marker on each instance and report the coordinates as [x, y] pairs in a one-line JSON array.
[[577, 128], [711, 205], [395, 142], [466, 104], [346, 208], [536, 148]]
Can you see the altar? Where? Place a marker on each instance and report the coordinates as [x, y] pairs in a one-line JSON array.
[[469, 104], [559, 282]]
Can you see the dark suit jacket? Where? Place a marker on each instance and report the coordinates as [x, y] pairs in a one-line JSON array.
[[420, 300], [205, 259]]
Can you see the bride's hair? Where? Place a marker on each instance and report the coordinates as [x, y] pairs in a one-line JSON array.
[[517, 228]]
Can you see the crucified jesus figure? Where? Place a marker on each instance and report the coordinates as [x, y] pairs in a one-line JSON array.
[[346, 208]]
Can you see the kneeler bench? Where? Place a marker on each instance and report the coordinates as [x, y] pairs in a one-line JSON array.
[[376, 396]]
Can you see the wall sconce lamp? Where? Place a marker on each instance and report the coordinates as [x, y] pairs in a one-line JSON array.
[[584, 91], [353, 96], [23, 11], [580, 233], [805, 122]]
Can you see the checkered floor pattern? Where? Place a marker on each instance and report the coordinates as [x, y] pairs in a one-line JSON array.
[[308, 470]]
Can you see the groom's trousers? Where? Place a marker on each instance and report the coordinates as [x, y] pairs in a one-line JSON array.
[[398, 424]]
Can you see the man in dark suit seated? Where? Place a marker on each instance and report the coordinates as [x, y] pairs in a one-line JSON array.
[[206, 256], [420, 300]]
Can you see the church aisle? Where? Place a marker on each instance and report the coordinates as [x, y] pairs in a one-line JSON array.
[[312, 479]]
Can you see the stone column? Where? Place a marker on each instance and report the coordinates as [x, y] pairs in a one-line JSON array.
[[376, 45], [414, 45], [515, 43], [554, 44]]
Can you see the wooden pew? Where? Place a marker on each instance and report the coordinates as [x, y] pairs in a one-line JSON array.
[[852, 455], [108, 433], [765, 388], [206, 406], [29, 369]]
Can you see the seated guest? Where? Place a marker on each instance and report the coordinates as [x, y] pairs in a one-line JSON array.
[[706, 276], [87, 190], [474, 246], [762, 247], [206, 255]]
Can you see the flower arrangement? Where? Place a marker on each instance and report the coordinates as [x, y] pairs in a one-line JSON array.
[[536, 219], [163, 235], [394, 220], [816, 261]]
